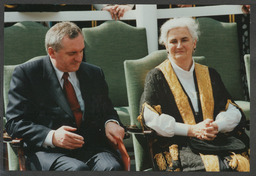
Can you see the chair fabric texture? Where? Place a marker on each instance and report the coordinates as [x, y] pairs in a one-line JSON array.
[[218, 42], [135, 73], [23, 41], [108, 46], [13, 162], [247, 69]]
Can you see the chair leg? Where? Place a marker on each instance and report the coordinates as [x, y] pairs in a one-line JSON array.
[[21, 159], [150, 145], [6, 165]]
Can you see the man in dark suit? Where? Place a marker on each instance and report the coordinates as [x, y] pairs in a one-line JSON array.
[[42, 96]]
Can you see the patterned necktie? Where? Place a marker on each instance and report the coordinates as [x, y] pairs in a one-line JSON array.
[[72, 99]]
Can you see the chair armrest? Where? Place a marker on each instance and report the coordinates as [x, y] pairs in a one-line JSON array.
[[18, 144], [149, 134], [133, 129]]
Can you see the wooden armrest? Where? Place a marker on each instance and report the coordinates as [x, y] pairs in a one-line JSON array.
[[6, 137], [148, 133], [17, 143], [133, 129]]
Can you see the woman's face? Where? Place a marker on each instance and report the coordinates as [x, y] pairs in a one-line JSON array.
[[180, 44]]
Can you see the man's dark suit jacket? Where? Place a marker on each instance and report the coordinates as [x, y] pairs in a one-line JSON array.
[[37, 105]]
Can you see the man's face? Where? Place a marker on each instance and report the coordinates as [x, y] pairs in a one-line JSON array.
[[69, 57]]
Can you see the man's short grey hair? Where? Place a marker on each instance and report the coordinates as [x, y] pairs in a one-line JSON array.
[[188, 22], [56, 33]]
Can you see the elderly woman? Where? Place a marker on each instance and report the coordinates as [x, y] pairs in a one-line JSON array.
[[198, 125]]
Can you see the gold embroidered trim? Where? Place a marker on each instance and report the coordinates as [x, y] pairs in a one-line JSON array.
[[160, 161], [165, 160], [181, 99], [140, 117], [179, 95], [230, 102], [205, 90], [211, 163], [168, 158], [240, 162], [157, 109], [174, 151]]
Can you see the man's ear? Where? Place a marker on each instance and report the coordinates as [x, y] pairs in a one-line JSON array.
[[51, 52]]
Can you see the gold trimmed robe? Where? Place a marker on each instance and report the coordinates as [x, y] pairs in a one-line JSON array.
[[162, 88]]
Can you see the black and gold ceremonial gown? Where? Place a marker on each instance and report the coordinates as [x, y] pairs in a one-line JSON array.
[[163, 93]]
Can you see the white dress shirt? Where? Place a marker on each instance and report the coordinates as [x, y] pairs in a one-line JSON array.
[[166, 125], [75, 83]]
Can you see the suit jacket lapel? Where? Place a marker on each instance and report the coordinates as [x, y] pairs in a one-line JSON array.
[[53, 86], [84, 82]]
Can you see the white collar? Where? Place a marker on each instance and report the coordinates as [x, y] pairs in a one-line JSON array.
[[181, 72]]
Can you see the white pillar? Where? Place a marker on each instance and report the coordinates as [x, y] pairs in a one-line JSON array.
[[146, 16]]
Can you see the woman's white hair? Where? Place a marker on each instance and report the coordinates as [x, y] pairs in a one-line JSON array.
[[188, 22]]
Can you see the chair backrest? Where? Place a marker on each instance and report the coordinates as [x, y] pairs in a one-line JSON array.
[[218, 42], [13, 162], [247, 69], [8, 71], [23, 41], [135, 74], [108, 46]]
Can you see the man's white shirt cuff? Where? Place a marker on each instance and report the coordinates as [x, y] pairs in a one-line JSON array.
[[48, 140], [111, 120]]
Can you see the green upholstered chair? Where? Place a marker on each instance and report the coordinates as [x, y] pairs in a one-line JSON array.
[[247, 69], [108, 46], [135, 74], [12, 153], [218, 44], [23, 41], [13, 150]]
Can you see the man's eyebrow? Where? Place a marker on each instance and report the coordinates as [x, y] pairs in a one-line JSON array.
[[73, 52]]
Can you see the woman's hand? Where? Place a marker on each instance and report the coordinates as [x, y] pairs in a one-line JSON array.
[[205, 130]]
